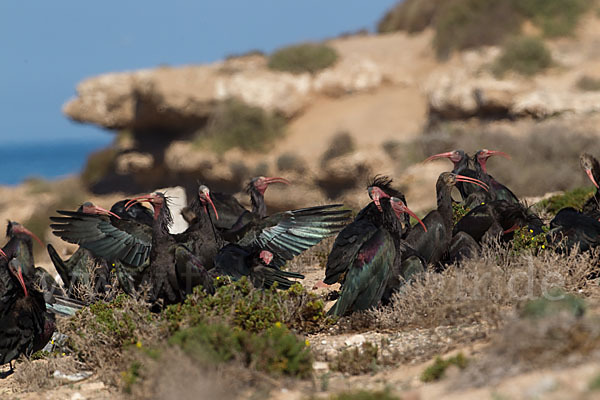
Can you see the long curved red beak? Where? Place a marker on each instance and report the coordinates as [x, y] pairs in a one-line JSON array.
[[212, 204], [3, 254], [591, 176], [140, 199], [276, 179], [102, 211], [22, 229], [399, 207], [441, 155], [19, 275], [498, 153], [467, 179]]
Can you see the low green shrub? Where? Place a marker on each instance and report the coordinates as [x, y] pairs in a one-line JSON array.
[[575, 198], [341, 143], [467, 24], [588, 84], [275, 350], [554, 17], [554, 302], [357, 360], [237, 124], [98, 165], [526, 55], [244, 307], [307, 57], [524, 239], [436, 371]]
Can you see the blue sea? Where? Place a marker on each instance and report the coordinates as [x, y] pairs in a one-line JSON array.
[[55, 159]]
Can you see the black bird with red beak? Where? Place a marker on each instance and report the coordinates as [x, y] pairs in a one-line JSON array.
[[497, 191], [25, 326], [350, 240], [20, 246], [174, 270], [231, 212], [76, 272], [591, 167], [432, 243], [371, 265], [463, 165], [201, 237]]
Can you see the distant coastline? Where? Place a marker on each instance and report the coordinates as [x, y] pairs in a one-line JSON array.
[[45, 159]]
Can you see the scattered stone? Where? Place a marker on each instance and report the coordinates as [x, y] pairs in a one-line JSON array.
[[79, 376], [355, 340]]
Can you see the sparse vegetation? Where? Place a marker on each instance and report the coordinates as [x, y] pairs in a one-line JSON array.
[[240, 305], [307, 57], [539, 149], [275, 350], [357, 360], [575, 198], [463, 24], [498, 279], [472, 23], [554, 302], [410, 15], [554, 17], [341, 144], [237, 124], [524, 239], [239, 325], [436, 371], [98, 165], [588, 84], [458, 211], [291, 162], [526, 55]]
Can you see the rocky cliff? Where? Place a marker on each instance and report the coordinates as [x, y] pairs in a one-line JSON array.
[[387, 93]]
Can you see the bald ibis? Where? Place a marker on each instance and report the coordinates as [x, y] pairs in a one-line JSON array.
[[231, 211], [463, 165], [501, 217], [289, 233], [497, 191], [236, 262], [20, 246], [79, 270], [592, 168], [201, 237], [372, 260], [174, 270], [433, 243], [25, 326], [572, 228]]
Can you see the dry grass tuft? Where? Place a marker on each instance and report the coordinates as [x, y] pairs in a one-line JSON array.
[[33, 376], [175, 376], [483, 289]]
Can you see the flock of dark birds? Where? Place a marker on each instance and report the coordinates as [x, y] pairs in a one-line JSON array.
[[373, 255]]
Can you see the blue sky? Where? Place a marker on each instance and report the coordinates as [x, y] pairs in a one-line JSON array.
[[47, 47]]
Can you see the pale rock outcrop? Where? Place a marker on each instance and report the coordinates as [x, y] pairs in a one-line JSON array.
[[180, 99], [133, 162]]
